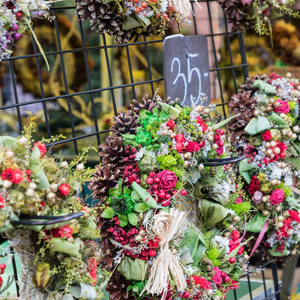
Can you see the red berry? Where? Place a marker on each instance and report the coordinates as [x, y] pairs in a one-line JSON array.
[[152, 252], [221, 143], [162, 195], [115, 218], [156, 180], [183, 192], [232, 260], [186, 294], [166, 203], [217, 137], [151, 174], [144, 4], [156, 192], [221, 131], [1, 280], [110, 230], [117, 222], [149, 180], [168, 196]]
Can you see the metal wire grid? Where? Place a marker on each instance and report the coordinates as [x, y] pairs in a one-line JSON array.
[[91, 90]]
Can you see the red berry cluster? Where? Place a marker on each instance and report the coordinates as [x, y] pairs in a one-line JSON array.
[[233, 244], [162, 197], [129, 238], [254, 185], [219, 141], [131, 173], [250, 152], [92, 268], [130, 152], [2, 269]]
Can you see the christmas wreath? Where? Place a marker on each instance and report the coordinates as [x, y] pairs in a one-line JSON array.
[[45, 221], [267, 130], [170, 218]]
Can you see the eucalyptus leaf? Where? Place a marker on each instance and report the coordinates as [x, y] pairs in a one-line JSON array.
[[224, 122], [42, 182], [257, 223], [108, 213], [141, 207], [132, 218], [145, 196], [123, 220], [130, 23], [135, 197], [7, 141], [80, 290]]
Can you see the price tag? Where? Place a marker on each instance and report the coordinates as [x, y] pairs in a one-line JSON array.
[[186, 68]]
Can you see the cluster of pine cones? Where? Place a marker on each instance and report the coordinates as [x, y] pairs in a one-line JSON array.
[[105, 19], [243, 103]]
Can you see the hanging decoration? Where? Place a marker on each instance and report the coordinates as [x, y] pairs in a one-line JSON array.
[[125, 20], [255, 14], [171, 227], [15, 20], [268, 131], [45, 221]]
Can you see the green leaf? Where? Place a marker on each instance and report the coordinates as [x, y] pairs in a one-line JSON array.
[[146, 197], [80, 290], [130, 23], [244, 168], [133, 269], [277, 253], [224, 122], [257, 125], [108, 213], [135, 197], [114, 192], [257, 223], [132, 218], [35, 166], [123, 220], [135, 288], [59, 245], [145, 22], [140, 207], [7, 141]]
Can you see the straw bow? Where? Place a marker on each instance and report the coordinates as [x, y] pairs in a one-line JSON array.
[[165, 226]]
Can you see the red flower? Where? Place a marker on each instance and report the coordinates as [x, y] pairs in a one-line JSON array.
[[167, 180], [65, 231], [202, 123], [64, 189], [42, 147], [220, 151], [204, 284], [17, 176], [7, 174], [179, 147], [277, 196], [283, 108], [294, 215], [193, 147], [217, 279], [266, 136], [2, 202], [180, 138], [171, 124]]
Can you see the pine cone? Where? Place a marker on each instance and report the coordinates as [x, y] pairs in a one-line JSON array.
[[109, 251], [125, 122], [105, 19], [117, 287], [248, 85], [104, 179], [114, 153], [147, 104]]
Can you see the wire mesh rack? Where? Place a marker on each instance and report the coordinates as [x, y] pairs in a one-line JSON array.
[[91, 79]]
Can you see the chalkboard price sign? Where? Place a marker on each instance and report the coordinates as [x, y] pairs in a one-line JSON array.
[[186, 68]]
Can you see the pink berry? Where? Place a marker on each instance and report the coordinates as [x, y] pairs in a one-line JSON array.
[[221, 131], [217, 137], [186, 294], [156, 180], [168, 196], [155, 186], [17, 36], [162, 195], [184, 192], [149, 180], [156, 192], [117, 222], [221, 143], [151, 174], [232, 260], [152, 253]]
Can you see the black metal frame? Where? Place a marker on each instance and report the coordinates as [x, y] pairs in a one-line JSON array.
[[91, 90]]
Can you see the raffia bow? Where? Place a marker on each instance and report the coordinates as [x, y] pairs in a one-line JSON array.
[[165, 226]]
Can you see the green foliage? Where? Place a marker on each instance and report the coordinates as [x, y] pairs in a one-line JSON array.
[[213, 254]]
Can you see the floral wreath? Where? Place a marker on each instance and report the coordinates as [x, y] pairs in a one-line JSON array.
[[45, 221], [268, 132], [160, 208]]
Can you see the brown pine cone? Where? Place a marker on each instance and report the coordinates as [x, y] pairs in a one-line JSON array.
[[103, 179], [146, 103], [113, 153], [117, 287], [125, 122]]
